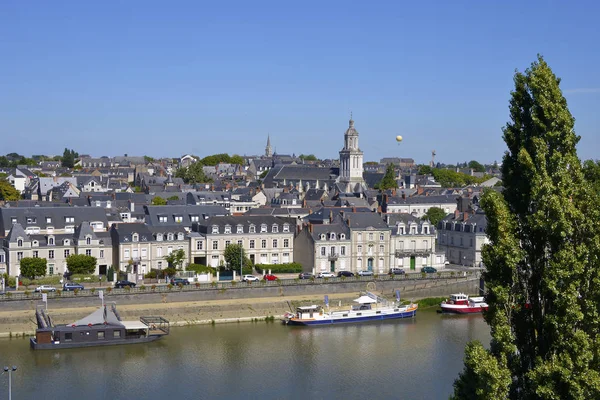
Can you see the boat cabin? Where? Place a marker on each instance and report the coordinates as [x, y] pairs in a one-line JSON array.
[[307, 312], [459, 299]]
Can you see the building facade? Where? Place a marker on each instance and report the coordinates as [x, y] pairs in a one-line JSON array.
[[412, 243], [461, 237]]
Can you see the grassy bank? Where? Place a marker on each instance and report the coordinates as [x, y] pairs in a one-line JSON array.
[[429, 302]]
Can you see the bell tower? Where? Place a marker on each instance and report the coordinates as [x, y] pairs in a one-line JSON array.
[[351, 160]]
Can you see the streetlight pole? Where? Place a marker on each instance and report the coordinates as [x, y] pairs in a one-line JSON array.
[[241, 260], [10, 370]]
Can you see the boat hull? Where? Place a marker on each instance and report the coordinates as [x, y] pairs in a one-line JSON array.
[[72, 345], [350, 320], [462, 310]]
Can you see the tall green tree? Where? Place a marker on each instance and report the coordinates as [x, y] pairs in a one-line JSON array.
[[542, 282], [33, 267], [7, 191], [176, 258], [389, 179], [476, 166], [591, 171], [434, 215], [81, 264], [68, 158], [233, 254]]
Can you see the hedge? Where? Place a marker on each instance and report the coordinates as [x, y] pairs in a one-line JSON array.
[[199, 269], [279, 268]]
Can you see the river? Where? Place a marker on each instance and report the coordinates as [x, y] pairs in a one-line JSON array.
[[403, 359]]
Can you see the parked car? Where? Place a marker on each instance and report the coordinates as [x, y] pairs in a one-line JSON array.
[[344, 273], [397, 271], [305, 275], [325, 275], [45, 288], [270, 277], [364, 273], [70, 286], [446, 262], [249, 278], [123, 284], [428, 270], [178, 281]]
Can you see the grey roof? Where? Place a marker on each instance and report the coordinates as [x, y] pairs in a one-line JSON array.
[[122, 233], [477, 219], [296, 173], [84, 230], [314, 194], [56, 214], [15, 232], [279, 211], [337, 227], [422, 200], [186, 212], [363, 220], [45, 184], [327, 213], [244, 221]]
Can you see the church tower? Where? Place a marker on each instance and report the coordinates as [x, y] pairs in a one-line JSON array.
[[351, 161], [269, 149]]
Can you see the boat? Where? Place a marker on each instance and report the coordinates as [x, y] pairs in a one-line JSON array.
[[461, 303], [369, 307], [103, 327]]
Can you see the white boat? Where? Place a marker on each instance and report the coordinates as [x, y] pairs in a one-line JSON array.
[[460, 303], [370, 307]]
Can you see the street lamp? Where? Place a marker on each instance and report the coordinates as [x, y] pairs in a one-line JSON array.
[[10, 371], [241, 260]]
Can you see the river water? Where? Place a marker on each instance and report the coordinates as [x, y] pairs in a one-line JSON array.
[[403, 359]]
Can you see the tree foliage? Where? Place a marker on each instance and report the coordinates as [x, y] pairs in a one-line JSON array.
[[81, 264], [158, 201], [542, 284], [450, 178], [192, 174], [233, 254], [425, 170], [69, 157], [434, 215], [309, 157], [176, 258], [591, 171], [476, 166], [7, 191], [389, 179], [33, 267]]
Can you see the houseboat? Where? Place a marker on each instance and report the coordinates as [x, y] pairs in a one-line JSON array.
[[369, 307], [103, 327], [460, 303]]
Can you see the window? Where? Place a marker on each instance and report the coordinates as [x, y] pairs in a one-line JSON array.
[[180, 236], [178, 219], [50, 229], [144, 254], [381, 248], [342, 236], [239, 243], [51, 254], [159, 264], [135, 237], [251, 244], [286, 228], [100, 334], [227, 229], [20, 243], [67, 253], [162, 218], [194, 218], [169, 250], [332, 251], [116, 334], [159, 252], [252, 229], [126, 254], [1, 258], [35, 243], [50, 269], [227, 243], [359, 248], [322, 236], [370, 249], [370, 236], [381, 236], [426, 230], [68, 336], [240, 229], [332, 236], [13, 220], [275, 243], [169, 236], [88, 240], [88, 252], [159, 237], [263, 228], [215, 245], [19, 255], [199, 245], [66, 242], [215, 229], [101, 253], [275, 228], [286, 242], [263, 244], [359, 236], [323, 251], [69, 220], [48, 220], [343, 250]]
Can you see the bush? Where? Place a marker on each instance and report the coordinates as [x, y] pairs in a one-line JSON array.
[[151, 275], [200, 269], [280, 268], [142, 288], [153, 287]]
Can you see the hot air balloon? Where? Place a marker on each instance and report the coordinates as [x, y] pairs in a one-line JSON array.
[[398, 139]]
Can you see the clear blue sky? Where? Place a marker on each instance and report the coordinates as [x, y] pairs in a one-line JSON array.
[[168, 78]]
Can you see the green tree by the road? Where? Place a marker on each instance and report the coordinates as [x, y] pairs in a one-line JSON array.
[[542, 283], [176, 258], [434, 215], [81, 264], [233, 254], [33, 267], [389, 179]]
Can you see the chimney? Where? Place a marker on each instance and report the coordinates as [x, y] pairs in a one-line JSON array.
[[131, 206], [353, 209], [330, 216], [393, 192], [310, 227], [403, 196], [420, 190], [456, 213], [465, 216]]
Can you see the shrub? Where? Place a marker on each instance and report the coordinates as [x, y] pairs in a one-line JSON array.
[[200, 269], [169, 286], [75, 292], [233, 283], [213, 284], [151, 275], [142, 288], [27, 293], [279, 268], [180, 286], [93, 290], [153, 287], [9, 294], [59, 292]]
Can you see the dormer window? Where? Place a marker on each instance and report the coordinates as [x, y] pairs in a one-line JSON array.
[[275, 228], [286, 228], [215, 229], [342, 236], [31, 220], [20, 242], [13, 220], [88, 240], [69, 220], [135, 237], [169, 236], [50, 241], [48, 220], [159, 237], [332, 236], [240, 229], [426, 229], [178, 219], [263, 228], [252, 229], [227, 229], [180, 236], [194, 218], [35, 243], [162, 218], [322, 236], [66, 242]]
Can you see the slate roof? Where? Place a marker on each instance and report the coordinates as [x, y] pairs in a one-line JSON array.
[[337, 227], [365, 220], [57, 215], [205, 227], [185, 212], [15, 232], [45, 184], [422, 200], [122, 233]]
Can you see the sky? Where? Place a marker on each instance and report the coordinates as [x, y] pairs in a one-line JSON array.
[[170, 78]]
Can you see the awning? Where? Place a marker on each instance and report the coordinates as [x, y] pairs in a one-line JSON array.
[[134, 325], [365, 300]]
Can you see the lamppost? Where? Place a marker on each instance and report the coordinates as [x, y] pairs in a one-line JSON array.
[[241, 260], [10, 371]]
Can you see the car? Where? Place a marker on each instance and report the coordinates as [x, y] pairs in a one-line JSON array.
[[326, 275], [397, 271], [45, 288], [123, 284], [177, 281], [344, 273], [249, 278], [365, 273], [428, 270], [270, 277], [446, 262], [305, 275], [70, 286]]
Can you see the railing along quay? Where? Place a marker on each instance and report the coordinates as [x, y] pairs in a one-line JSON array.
[[197, 286]]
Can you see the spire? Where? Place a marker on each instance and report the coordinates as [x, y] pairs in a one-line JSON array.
[[351, 122], [268, 148], [269, 140]]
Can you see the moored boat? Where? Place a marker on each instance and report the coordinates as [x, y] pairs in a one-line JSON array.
[[370, 307], [103, 327], [460, 303]]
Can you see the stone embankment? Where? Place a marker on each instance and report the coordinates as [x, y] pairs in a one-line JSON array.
[[221, 305]]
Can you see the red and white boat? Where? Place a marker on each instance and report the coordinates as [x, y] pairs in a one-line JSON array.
[[460, 303]]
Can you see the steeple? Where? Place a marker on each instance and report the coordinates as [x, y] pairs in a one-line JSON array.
[[269, 149], [351, 160]]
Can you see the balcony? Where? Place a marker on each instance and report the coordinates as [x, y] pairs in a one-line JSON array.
[[412, 252]]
